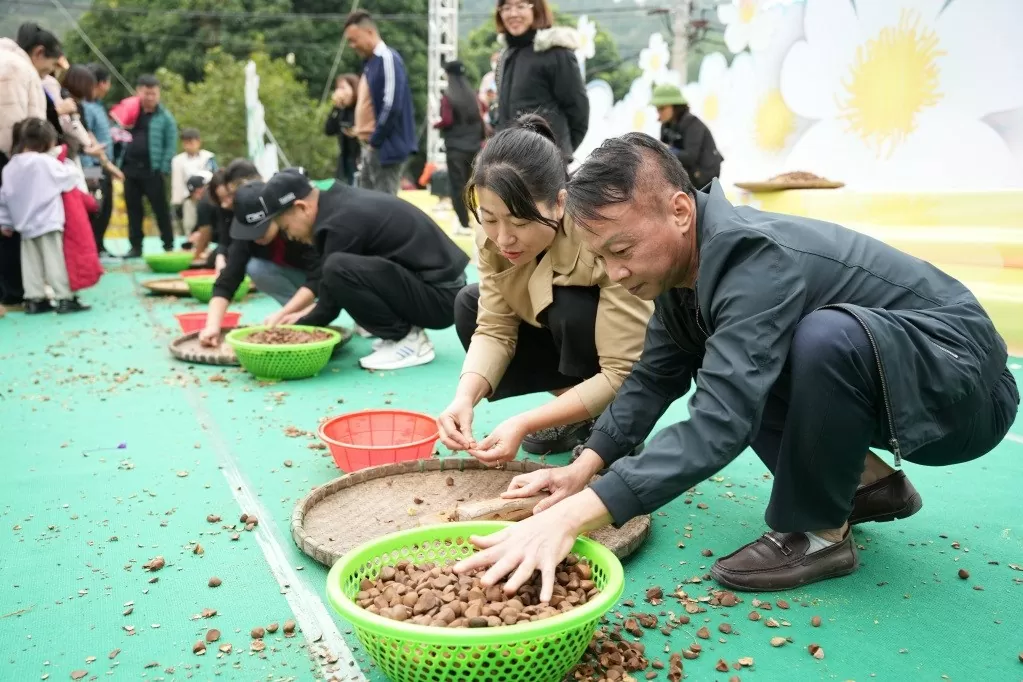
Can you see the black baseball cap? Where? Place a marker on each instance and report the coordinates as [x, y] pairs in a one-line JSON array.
[[251, 217], [195, 182], [284, 189]]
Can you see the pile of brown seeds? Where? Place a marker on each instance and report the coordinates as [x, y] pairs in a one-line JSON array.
[[432, 594], [280, 336]]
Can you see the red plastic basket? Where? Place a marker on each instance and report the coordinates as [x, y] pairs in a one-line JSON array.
[[373, 437], [193, 322], [196, 273]]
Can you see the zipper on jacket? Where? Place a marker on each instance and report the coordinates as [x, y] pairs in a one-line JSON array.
[[945, 350], [893, 442]]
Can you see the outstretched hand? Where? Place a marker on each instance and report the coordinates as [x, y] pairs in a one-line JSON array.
[[455, 426], [502, 445], [560, 482]]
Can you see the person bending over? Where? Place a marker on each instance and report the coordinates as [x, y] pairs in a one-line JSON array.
[[545, 316], [382, 259]]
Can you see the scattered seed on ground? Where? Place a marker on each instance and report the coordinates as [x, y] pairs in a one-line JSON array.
[[257, 633], [199, 648], [215, 582], [963, 573], [272, 628], [212, 635], [778, 641], [815, 621]]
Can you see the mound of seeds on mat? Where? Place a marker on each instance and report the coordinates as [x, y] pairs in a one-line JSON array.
[[609, 657], [432, 594], [278, 336]]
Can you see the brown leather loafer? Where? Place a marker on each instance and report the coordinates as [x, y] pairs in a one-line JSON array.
[[779, 561], [892, 497]]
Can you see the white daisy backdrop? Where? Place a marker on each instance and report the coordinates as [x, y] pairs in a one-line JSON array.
[[880, 94]]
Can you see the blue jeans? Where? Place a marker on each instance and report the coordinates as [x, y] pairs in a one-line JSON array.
[[280, 282]]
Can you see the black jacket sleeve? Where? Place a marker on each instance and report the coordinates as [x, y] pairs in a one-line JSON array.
[[692, 142], [333, 125], [231, 276], [758, 297], [312, 265], [223, 229], [661, 376], [570, 92]]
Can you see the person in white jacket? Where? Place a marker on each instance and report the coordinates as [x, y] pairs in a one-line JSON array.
[[192, 162], [31, 204]]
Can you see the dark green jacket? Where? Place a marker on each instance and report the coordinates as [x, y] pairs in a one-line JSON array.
[[760, 274], [163, 140]]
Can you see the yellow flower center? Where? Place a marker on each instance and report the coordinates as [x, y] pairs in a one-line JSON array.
[[655, 62], [747, 9], [893, 78], [639, 119], [774, 122], [710, 107]]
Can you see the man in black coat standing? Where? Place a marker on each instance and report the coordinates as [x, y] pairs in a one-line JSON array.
[[812, 343]]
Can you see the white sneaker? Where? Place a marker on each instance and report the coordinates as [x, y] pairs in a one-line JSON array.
[[415, 349]]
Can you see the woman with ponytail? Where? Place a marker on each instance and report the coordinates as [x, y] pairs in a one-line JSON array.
[[545, 317]]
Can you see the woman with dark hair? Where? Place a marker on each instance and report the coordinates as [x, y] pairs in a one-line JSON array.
[[22, 64], [339, 124], [545, 316], [78, 85], [461, 125], [537, 72]]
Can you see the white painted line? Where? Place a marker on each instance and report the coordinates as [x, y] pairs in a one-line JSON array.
[[311, 615]]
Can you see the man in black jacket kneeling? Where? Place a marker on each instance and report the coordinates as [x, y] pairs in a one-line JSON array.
[[381, 259], [811, 343]]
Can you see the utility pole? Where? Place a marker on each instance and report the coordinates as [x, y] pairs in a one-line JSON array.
[[680, 36]]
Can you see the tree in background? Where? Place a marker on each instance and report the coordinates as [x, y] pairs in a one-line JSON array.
[[216, 106], [606, 63]]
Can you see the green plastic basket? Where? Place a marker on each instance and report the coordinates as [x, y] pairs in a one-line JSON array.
[[169, 262], [291, 361], [540, 651], [201, 288]]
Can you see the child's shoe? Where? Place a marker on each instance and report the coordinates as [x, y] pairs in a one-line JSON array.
[[71, 305], [36, 307]]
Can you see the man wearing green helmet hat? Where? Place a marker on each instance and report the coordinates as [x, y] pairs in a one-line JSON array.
[[686, 135]]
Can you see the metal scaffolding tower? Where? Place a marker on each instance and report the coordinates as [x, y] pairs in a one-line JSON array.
[[442, 46]]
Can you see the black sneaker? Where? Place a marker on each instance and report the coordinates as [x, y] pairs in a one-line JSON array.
[[33, 307], [168, 247], [134, 253], [71, 305], [557, 438]]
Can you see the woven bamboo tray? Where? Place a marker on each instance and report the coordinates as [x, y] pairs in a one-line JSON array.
[[188, 349], [167, 286], [779, 186], [342, 514]]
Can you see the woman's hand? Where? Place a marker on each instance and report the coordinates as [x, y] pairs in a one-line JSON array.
[[455, 425], [114, 171], [210, 336], [67, 107], [560, 482], [502, 445]]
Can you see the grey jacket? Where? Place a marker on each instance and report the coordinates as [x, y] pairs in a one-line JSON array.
[[759, 274]]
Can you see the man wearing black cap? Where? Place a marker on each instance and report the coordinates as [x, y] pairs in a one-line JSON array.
[[277, 266], [382, 259]]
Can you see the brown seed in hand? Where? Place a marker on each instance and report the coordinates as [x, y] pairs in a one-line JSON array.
[[212, 635], [778, 641], [215, 582], [782, 604], [815, 621], [963, 573], [199, 648], [754, 615], [725, 628], [289, 627], [272, 628], [722, 666], [707, 552], [703, 633], [257, 633]]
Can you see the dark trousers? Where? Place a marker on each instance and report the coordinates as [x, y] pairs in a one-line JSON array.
[[11, 290], [382, 297], [826, 410], [152, 188], [101, 219], [346, 167], [557, 355], [459, 170]]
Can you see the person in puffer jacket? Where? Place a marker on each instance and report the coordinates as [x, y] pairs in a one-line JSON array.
[[537, 72]]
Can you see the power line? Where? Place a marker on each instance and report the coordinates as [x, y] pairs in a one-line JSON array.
[[85, 38]]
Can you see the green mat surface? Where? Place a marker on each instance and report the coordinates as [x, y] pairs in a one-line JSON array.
[[81, 517]]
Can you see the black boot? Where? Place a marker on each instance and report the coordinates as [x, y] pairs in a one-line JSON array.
[[557, 439], [135, 252], [71, 305], [36, 307]]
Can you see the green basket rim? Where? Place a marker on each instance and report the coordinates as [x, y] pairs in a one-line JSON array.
[[237, 338], [462, 637], [205, 281], [330, 441], [169, 255]]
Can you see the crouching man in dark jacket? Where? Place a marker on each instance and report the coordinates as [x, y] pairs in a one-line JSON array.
[[807, 341], [381, 259]]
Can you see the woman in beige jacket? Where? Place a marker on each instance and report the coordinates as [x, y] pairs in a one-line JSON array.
[[545, 316]]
